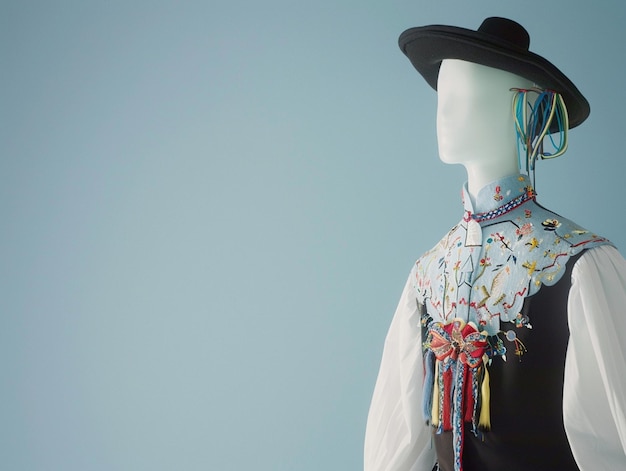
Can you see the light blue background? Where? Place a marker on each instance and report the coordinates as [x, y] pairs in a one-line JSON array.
[[208, 211]]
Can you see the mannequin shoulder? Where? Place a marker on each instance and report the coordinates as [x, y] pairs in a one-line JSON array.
[[563, 230], [442, 247]]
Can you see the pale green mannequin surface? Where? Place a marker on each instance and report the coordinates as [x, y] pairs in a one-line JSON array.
[[475, 125]]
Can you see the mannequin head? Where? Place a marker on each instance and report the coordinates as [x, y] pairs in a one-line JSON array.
[[475, 124]]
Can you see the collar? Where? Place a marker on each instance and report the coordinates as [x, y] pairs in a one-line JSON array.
[[497, 198]]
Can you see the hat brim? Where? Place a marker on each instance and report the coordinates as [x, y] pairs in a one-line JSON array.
[[427, 46]]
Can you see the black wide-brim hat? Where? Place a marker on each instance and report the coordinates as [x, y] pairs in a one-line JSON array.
[[499, 43]]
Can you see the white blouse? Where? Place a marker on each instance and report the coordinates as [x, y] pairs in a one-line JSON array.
[[594, 400]]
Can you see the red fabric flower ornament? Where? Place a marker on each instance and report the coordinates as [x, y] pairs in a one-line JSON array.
[[459, 341]]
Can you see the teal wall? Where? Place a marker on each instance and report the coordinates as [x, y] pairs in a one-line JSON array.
[[209, 209]]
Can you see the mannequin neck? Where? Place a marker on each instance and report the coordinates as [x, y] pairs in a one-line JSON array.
[[481, 172]]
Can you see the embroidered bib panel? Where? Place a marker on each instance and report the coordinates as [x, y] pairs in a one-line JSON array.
[[485, 267], [472, 286]]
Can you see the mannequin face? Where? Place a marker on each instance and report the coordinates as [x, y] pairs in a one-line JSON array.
[[474, 112]]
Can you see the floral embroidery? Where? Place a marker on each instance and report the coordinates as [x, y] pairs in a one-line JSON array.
[[551, 224], [498, 196], [524, 230], [533, 243], [522, 321], [486, 282], [530, 266]]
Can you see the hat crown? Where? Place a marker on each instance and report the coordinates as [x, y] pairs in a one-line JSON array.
[[506, 30]]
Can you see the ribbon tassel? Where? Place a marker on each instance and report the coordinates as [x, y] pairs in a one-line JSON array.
[[429, 380], [435, 419], [484, 420], [456, 382]]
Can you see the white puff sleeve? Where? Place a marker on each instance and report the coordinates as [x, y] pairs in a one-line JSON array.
[[396, 437], [594, 401]]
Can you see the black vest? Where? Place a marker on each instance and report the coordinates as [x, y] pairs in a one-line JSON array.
[[527, 432]]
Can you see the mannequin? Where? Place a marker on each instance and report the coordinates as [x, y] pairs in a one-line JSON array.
[[475, 125], [475, 128], [510, 279]]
